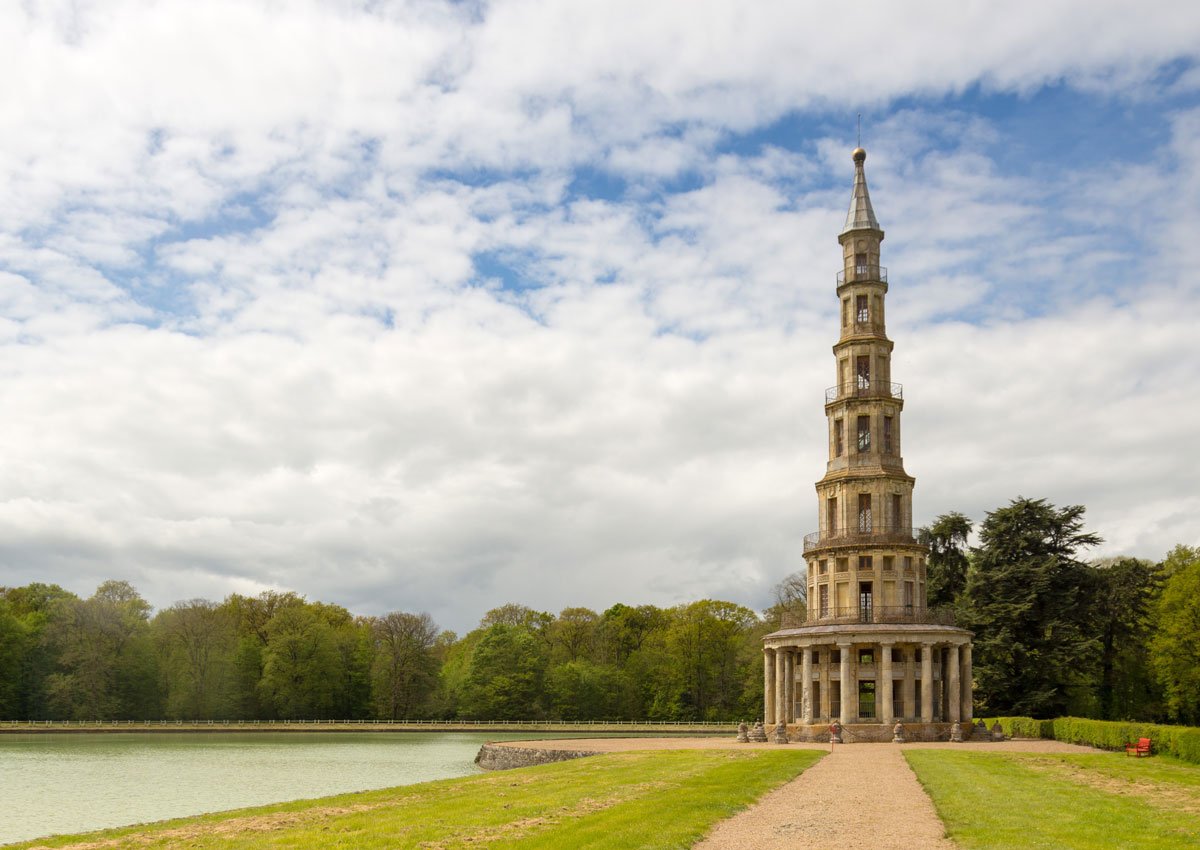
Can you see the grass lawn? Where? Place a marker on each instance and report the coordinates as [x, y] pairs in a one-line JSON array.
[[624, 800], [1104, 801]]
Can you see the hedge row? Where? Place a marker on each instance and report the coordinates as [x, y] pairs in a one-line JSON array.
[[1180, 741]]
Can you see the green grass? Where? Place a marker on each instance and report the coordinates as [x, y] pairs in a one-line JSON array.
[[1013, 801], [624, 800]]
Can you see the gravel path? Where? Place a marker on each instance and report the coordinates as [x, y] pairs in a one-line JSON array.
[[859, 797]]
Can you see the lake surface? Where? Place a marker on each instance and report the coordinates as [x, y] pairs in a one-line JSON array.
[[60, 783]]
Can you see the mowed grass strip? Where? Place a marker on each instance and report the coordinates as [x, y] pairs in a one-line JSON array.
[[623, 800], [994, 801]]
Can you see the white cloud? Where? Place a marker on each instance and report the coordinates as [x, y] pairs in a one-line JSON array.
[[244, 341]]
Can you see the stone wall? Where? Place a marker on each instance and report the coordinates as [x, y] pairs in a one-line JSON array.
[[499, 757], [857, 733]]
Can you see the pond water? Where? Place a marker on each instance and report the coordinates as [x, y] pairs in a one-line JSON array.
[[60, 783]]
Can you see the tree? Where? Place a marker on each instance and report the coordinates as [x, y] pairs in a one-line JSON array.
[[573, 634], [106, 663], [31, 606], [196, 640], [791, 598], [708, 643], [946, 567], [300, 665], [1025, 600], [1175, 647], [507, 671], [583, 690], [404, 672], [1126, 592]]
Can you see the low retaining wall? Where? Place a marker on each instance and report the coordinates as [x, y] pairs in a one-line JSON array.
[[855, 733], [498, 757]]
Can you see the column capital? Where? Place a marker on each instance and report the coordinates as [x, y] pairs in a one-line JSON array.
[[845, 644]]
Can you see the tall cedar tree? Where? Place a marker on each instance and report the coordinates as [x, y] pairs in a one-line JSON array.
[[1025, 600], [946, 572]]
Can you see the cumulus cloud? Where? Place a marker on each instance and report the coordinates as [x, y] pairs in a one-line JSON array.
[[436, 306]]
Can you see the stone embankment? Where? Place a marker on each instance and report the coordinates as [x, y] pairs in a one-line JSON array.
[[498, 757]]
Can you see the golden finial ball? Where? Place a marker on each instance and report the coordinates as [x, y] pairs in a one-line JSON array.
[[859, 155]]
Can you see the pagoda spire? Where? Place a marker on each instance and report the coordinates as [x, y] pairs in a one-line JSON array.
[[860, 216]]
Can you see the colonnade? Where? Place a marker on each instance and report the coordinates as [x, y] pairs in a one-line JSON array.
[[839, 667]]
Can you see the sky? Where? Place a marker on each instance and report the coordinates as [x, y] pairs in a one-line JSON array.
[[434, 306]]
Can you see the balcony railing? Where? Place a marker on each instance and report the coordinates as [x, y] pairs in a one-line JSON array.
[[859, 535], [864, 388], [863, 273], [883, 614]]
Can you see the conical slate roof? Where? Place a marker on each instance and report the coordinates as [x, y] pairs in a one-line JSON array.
[[860, 216]]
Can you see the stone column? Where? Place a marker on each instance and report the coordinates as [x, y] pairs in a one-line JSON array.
[[768, 686], [910, 682], [883, 684], [847, 697], [968, 698], [789, 671], [780, 686], [955, 696], [926, 682], [944, 701], [806, 706], [826, 679]]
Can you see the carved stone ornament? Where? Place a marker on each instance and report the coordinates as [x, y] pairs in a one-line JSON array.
[[743, 735], [956, 733], [898, 733]]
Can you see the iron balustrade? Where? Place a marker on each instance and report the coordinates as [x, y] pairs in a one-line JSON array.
[[866, 274], [882, 614], [863, 388], [859, 535]]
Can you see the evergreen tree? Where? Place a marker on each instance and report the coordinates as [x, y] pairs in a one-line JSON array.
[[946, 567], [1126, 596], [1025, 599]]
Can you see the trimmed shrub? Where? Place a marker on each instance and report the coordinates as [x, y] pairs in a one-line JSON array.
[[1022, 727], [1183, 742]]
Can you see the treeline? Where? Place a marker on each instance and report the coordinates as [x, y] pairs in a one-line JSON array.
[[278, 656], [1055, 635]]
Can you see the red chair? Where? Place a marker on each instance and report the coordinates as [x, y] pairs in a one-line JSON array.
[[1141, 748]]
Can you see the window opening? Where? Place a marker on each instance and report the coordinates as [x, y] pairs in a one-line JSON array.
[[866, 700], [865, 606], [839, 439], [824, 597], [862, 368], [908, 596], [845, 312], [860, 265], [821, 567], [887, 435], [842, 565], [861, 315], [889, 562], [864, 512], [866, 656], [864, 434], [831, 516], [897, 512]]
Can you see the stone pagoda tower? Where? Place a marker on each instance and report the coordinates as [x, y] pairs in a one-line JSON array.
[[870, 652]]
